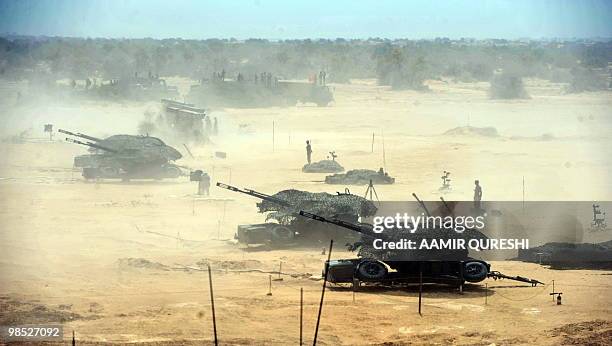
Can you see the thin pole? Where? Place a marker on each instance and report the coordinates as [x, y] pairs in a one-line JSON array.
[[553, 296], [486, 292], [331, 244], [212, 304], [372, 141], [301, 313], [280, 269], [73, 339], [270, 285], [383, 147], [523, 193], [420, 287]]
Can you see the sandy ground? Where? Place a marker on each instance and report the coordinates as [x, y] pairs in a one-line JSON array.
[[105, 258]]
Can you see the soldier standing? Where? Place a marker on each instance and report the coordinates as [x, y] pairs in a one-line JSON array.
[[477, 194], [204, 185], [308, 151]]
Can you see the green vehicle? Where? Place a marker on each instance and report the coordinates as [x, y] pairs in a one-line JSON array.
[[126, 157]]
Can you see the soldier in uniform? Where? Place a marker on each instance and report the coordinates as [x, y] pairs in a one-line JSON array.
[[308, 151], [204, 185], [477, 194]]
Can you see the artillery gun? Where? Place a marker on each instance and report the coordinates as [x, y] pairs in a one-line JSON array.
[[289, 228], [360, 177], [375, 265], [126, 157]]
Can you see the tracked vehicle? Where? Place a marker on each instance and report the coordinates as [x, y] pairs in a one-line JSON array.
[[126, 157]]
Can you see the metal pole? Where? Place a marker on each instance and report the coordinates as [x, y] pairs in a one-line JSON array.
[[331, 244], [523, 193], [553, 289], [420, 287], [73, 339], [372, 141], [301, 313], [212, 304]]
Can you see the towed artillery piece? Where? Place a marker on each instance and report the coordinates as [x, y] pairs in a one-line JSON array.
[[126, 157], [290, 229], [375, 265], [360, 177]]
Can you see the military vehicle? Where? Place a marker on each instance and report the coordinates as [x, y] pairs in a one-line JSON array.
[[449, 266], [126, 157], [289, 228], [135, 88], [570, 255], [323, 166], [251, 94], [360, 177], [177, 120]]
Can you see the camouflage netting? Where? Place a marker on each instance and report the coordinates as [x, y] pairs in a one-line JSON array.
[[360, 177], [323, 166], [323, 204]]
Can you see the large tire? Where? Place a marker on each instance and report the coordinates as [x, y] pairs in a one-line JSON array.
[[282, 234], [475, 271], [371, 270], [172, 172]]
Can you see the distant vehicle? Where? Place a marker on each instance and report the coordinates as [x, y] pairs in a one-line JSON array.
[[360, 177], [178, 120], [126, 157], [248, 94]]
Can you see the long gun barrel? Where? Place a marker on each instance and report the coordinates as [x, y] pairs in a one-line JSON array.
[[93, 145], [422, 204], [497, 275], [256, 194], [79, 135], [347, 225]]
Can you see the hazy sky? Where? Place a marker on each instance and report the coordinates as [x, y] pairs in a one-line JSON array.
[[280, 19]]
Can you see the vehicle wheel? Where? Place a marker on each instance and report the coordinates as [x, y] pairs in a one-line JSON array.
[[371, 270], [282, 234], [474, 271], [172, 172]]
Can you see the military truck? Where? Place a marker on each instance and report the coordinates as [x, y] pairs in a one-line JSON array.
[[134, 88], [126, 157], [290, 229], [249, 94]]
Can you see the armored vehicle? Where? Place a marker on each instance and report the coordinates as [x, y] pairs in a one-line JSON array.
[[360, 177], [126, 157], [377, 265], [252, 94], [290, 229]]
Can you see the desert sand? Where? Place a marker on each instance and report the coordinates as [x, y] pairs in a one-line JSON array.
[[108, 258]]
